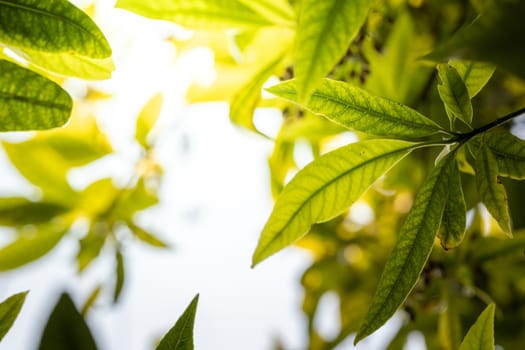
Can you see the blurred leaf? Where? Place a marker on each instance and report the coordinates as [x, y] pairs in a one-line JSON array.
[[92, 244], [90, 300], [29, 101], [491, 190], [281, 162], [17, 211], [449, 325], [51, 26], [9, 310], [199, 14], [30, 246], [355, 109], [509, 152], [119, 269], [481, 335], [474, 74], [411, 251], [133, 200], [454, 95], [66, 329], [147, 118], [491, 248], [325, 188], [146, 237], [495, 37], [277, 11], [69, 64], [324, 33], [180, 336], [98, 198], [454, 220]]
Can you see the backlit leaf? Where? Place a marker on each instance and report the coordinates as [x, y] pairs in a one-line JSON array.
[[66, 329], [474, 74], [52, 26], [455, 214], [411, 250], [278, 11], [356, 109], [454, 94], [9, 310], [146, 237], [481, 335], [147, 118], [490, 188], [325, 188], [29, 101], [509, 152], [91, 245], [16, 211], [199, 14], [180, 336], [324, 33]]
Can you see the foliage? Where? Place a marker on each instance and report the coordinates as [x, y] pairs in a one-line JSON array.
[[429, 88]]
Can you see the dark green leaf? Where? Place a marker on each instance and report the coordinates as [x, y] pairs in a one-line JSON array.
[[455, 214], [411, 250], [17, 211], [490, 188], [66, 329], [454, 95], [29, 101], [325, 188], [509, 152], [324, 33], [119, 270], [51, 26], [146, 120], [180, 337], [9, 310], [355, 109], [474, 74], [481, 335]]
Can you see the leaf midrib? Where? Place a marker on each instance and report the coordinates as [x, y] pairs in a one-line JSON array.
[[34, 101]]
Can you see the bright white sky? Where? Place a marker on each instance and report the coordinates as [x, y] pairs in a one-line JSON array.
[[215, 200]]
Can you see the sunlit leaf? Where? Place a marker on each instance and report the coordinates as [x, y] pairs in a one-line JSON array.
[[454, 94], [134, 199], [91, 245], [52, 26], [16, 211], [509, 152], [324, 33], [474, 74], [66, 329], [355, 109], [325, 188], [98, 197], [180, 336], [30, 246], [491, 190], [119, 271], [481, 335], [455, 214], [29, 101], [277, 11], [199, 14], [146, 237], [9, 310], [411, 251], [147, 118], [90, 300]]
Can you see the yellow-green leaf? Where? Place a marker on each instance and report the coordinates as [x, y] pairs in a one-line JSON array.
[[324, 33], [199, 14], [509, 152], [454, 95], [17, 211], [490, 188], [356, 109], [28, 101], [146, 237], [180, 336], [411, 250], [325, 188], [9, 310], [147, 118], [474, 74], [51, 26], [277, 11], [481, 335]]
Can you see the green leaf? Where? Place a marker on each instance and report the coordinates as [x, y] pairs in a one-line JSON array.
[[29, 101], [481, 335], [199, 14], [356, 109], [325, 30], [490, 188], [30, 246], [449, 323], [120, 272], [16, 211], [411, 251], [325, 188], [91, 245], [180, 336], [474, 74], [134, 199], [454, 221], [509, 152], [146, 237], [66, 329], [146, 120], [454, 95], [9, 310], [277, 11], [93, 296], [51, 26]]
